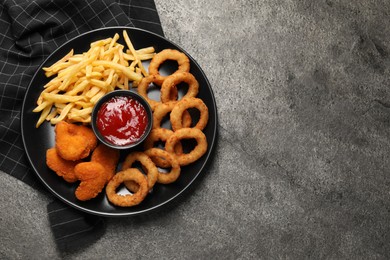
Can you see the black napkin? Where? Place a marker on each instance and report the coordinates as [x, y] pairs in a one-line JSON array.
[[29, 32]]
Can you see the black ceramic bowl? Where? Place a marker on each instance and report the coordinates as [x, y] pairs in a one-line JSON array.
[[108, 97]]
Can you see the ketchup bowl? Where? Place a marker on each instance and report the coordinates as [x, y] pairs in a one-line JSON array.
[[122, 119]]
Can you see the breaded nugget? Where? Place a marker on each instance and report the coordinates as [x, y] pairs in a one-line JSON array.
[[93, 179], [74, 142], [60, 166], [107, 157]]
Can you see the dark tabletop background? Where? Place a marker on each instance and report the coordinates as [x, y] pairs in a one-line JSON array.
[[302, 164]]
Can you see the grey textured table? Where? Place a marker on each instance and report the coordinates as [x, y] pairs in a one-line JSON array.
[[302, 163]]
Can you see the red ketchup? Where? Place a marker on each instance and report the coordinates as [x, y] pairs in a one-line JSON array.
[[122, 120]]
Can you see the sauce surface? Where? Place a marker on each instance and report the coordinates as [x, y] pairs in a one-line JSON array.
[[122, 120]]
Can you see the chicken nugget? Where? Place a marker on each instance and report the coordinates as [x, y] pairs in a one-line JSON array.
[[74, 142], [93, 179], [60, 166], [107, 157]]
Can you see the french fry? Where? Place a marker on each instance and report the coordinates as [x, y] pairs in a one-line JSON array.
[[80, 80], [58, 65], [79, 88], [42, 106], [44, 114], [131, 48], [63, 114], [80, 112], [51, 115], [92, 92], [58, 98], [112, 65]]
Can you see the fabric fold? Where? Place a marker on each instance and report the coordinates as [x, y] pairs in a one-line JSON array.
[[73, 229]]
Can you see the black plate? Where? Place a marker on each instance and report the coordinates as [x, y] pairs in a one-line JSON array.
[[38, 140]]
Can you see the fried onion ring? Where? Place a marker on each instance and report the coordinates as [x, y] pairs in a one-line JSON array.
[[163, 109], [174, 173], [170, 85], [143, 90], [182, 106], [131, 174], [187, 133], [168, 54], [147, 163], [160, 134]]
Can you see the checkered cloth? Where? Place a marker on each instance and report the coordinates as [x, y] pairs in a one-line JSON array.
[[29, 32]]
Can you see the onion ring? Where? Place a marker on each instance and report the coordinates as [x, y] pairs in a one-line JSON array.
[[170, 83], [168, 54], [143, 90], [187, 133], [131, 174], [163, 109], [174, 173], [182, 106], [160, 134], [147, 163]]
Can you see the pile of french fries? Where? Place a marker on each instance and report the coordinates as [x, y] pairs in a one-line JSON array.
[[80, 80]]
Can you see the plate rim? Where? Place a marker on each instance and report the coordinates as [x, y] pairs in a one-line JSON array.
[[205, 164]]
